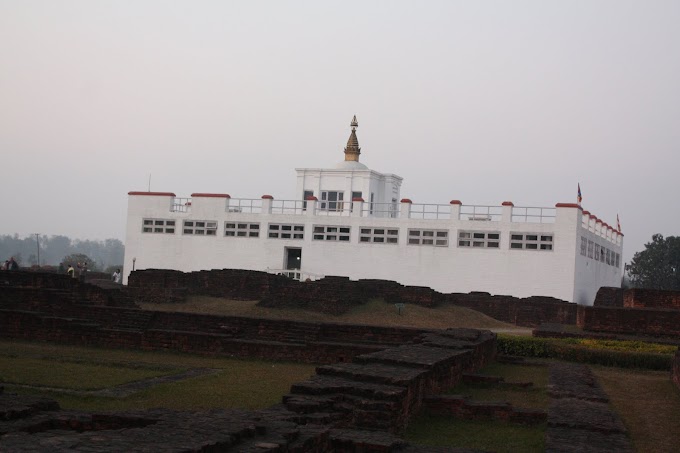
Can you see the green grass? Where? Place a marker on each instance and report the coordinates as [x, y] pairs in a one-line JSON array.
[[535, 397], [60, 374], [247, 384], [483, 435]]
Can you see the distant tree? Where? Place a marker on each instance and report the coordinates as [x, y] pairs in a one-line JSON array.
[[76, 258], [658, 266]]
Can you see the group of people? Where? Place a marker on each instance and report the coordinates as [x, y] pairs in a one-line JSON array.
[[10, 265], [81, 269]]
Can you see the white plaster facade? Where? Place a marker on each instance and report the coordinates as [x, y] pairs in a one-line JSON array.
[[518, 251]]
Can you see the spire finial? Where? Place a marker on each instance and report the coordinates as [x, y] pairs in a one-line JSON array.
[[352, 149]]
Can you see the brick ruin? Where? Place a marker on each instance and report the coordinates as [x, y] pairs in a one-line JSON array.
[[675, 370], [375, 379], [336, 295]]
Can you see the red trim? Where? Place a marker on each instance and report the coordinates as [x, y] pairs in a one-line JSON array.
[[267, 197], [568, 205], [211, 195], [586, 212], [507, 203], [599, 221], [357, 199], [593, 217], [455, 202], [406, 200], [311, 198], [154, 194]]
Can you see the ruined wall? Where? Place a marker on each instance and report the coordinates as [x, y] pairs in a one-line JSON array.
[[609, 297], [651, 298], [675, 371], [337, 295], [632, 321]]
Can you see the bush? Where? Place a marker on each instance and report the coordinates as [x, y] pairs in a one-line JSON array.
[[608, 353]]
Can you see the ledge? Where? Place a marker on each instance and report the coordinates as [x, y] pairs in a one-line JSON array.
[[211, 195], [154, 194], [568, 205], [406, 200]]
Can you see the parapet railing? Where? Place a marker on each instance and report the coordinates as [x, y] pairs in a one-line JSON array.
[[388, 210], [481, 213], [430, 211], [333, 208], [245, 205], [533, 215], [290, 207], [181, 205]]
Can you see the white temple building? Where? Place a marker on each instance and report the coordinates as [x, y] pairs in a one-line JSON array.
[[351, 221]]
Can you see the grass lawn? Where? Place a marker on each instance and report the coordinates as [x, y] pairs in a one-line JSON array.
[[649, 405], [535, 397], [483, 435], [375, 312], [247, 384]]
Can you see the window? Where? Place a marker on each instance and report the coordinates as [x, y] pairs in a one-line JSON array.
[[618, 260], [286, 231], [607, 254], [356, 195], [602, 254], [158, 226], [378, 235], [584, 246], [200, 227], [331, 233], [535, 241], [479, 239], [394, 209], [243, 230], [306, 194], [591, 247], [331, 201], [371, 205], [438, 238]]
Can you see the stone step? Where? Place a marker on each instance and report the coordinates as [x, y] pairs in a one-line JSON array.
[[417, 356], [377, 373], [325, 385]]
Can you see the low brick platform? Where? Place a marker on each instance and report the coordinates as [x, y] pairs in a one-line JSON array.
[[357, 406], [579, 416], [460, 407]]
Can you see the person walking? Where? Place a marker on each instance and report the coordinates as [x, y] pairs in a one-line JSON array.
[[13, 265], [71, 271], [116, 276]]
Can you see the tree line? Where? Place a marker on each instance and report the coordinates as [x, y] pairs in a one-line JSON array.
[[54, 249]]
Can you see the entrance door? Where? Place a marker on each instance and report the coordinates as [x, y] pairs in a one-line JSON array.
[[292, 262]]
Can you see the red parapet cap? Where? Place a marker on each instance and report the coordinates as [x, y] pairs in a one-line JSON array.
[[211, 195], [311, 198], [507, 203], [568, 205], [406, 200], [154, 194], [357, 199], [586, 212], [455, 202], [267, 197], [599, 221]]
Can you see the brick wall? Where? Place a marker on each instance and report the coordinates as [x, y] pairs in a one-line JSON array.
[[609, 297], [675, 371], [336, 295], [632, 321], [651, 298]]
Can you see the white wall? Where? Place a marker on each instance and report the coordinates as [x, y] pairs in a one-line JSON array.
[[522, 273]]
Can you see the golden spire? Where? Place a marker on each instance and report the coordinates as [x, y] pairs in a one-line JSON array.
[[352, 149]]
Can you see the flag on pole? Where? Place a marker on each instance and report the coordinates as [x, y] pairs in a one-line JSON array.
[[618, 224], [579, 197]]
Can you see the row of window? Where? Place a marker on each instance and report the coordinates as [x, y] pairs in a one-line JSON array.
[[598, 252], [372, 235]]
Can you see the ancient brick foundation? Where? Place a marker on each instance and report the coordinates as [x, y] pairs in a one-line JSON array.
[[336, 295], [631, 321], [637, 298]]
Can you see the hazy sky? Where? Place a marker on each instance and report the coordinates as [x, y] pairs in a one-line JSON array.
[[479, 101]]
